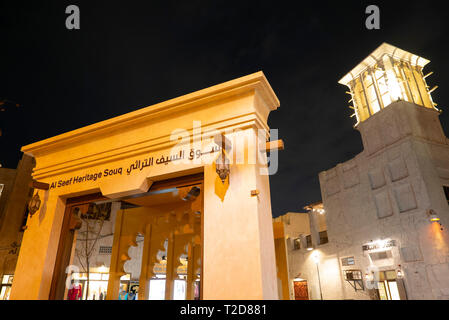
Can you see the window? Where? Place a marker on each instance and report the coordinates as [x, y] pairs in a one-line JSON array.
[[296, 244], [309, 241], [105, 250], [97, 212], [360, 102], [5, 286], [323, 237], [446, 192], [380, 255], [371, 93], [388, 286], [349, 261]]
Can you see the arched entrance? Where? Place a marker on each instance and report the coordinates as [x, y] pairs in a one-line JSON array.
[[136, 163], [145, 246]]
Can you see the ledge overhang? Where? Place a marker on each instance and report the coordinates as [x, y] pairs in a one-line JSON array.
[[255, 82], [377, 55]]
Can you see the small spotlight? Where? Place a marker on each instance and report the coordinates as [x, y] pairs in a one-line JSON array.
[[193, 193], [433, 216]]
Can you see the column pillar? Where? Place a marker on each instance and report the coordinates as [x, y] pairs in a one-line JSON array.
[[169, 270], [238, 245], [190, 272], [197, 266], [282, 268], [146, 268], [314, 228], [114, 270], [37, 255]]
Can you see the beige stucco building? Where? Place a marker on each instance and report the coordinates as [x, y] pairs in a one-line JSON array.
[[298, 235], [15, 193], [387, 208]]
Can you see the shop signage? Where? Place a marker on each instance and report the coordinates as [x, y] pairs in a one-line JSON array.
[[137, 165], [383, 244]]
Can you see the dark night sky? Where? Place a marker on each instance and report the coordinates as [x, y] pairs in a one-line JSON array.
[[131, 54]]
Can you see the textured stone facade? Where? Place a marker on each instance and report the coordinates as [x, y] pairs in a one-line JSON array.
[[386, 192]]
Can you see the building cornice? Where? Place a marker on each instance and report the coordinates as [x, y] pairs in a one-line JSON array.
[[377, 55], [253, 83]]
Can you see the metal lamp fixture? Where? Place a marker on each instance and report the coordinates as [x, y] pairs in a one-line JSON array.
[[192, 194], [34, 204], [433, 216], [222, 164], [399, 272], [222, 167]]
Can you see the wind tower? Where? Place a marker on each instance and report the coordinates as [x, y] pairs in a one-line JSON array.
[[388, 206], [387, 75]]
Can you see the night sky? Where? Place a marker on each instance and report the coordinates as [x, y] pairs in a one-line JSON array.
[[128, 55]]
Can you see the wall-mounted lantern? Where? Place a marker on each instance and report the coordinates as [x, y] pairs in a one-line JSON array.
[[222, 163], [399, 272], [34, 204], [222, 167], [298, 277], [433, 216]]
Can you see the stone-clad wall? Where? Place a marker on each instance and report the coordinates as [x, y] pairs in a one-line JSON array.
[[385, 193]]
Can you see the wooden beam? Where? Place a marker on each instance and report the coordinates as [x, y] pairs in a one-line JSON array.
[[39, 185], [274, 145]]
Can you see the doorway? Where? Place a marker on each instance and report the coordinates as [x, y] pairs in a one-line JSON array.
[[389, 287], [301, 290], [142, 247]]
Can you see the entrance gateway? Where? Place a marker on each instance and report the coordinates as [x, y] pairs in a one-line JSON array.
[[151, 182]]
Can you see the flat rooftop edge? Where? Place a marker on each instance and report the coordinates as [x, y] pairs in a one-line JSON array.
[[376, 55], [252, 81]]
